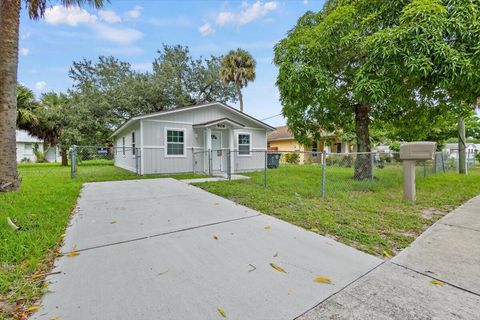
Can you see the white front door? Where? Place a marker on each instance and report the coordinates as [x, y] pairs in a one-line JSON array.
[[217, 151]]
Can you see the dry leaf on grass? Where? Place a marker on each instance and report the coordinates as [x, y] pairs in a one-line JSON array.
[[437, 282], [33, 308], [387, 254], [322, 280], [222, 312], [279, 269], [11, 224], [314, 229]]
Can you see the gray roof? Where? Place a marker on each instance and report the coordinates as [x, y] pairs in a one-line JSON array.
[[24, 136]]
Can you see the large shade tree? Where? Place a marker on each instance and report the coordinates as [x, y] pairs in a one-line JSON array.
[[238, 67], [9, 27], [339, 69]]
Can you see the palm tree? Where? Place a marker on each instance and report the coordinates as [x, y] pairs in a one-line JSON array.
[[27, 109], [238, 66], [9, 26]]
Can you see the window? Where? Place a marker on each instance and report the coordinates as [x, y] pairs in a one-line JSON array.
[[244, 144], [123, 145], [175, 142], [28, 148], [339, 147], [133, 143], [315, 149]]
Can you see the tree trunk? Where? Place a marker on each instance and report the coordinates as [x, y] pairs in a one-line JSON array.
[[240, 97], [363, 164], [9, 24], [64, 155], [462, 168]]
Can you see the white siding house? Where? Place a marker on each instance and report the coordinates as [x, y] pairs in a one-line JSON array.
[[26, 145], [194, 138]]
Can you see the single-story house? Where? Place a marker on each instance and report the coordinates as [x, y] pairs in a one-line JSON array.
[[451, 149], [26, 145], [194, 138], [283, 140]]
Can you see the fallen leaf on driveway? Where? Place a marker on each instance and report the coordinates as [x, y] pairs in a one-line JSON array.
[[33, 309], [215, 237], [387, 254], [437, 282], [162, 273], [72, 254], [55, 318], [274, 266], [216, 203], [267, 228], [322, 280], [113, 221], [222, 312]]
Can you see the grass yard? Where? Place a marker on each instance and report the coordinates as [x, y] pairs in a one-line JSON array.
[[41, 208], [371, 216]]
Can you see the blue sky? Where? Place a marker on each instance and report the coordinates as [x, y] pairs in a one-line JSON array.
[[133, 31]]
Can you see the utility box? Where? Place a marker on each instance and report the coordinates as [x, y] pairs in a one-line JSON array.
[[422, 150], [410, 153]]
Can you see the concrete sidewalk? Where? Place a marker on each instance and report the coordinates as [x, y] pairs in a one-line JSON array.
[[437, 277]]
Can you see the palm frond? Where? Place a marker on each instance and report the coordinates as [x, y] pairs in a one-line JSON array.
[[36, 8]]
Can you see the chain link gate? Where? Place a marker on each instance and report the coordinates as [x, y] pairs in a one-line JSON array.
[[98, 155]]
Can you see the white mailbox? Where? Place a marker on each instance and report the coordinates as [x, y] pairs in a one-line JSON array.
[[422, 150], [410, 153]]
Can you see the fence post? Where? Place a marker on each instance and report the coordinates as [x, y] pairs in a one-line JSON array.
[[324, 167], [372, 164], [73, 160], [193, 160], [443, 162], [265, 171], [229, 164], [210, 173]]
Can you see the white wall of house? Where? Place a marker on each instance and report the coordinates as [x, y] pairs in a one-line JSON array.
[[124, 154], [153, 142], [26, 144]]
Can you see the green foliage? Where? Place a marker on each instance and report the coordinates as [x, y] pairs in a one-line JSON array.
[[395, 146], [415, 65], [27, 108], [293, 158], [39, 155], [238, 67]]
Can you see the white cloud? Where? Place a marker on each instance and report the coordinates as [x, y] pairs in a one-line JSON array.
[[109, 16], [180, 21], [71, 16], [206, 29], [135, 12], [305, 1], [118, 35], [247, 14], [24, 51], [122, 51], [40, 85]]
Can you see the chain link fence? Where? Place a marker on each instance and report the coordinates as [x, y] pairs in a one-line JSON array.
[[334, 173]]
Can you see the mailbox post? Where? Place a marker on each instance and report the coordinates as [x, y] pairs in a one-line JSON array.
[[410, 153]]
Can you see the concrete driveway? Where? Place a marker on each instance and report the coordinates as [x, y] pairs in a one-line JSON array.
[[162, 249]]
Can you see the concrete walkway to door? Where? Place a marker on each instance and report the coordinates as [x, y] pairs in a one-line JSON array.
[[163, 249]]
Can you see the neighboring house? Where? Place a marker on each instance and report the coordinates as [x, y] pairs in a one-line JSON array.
[[451, 149], [283, 140], [193, 138], [26, 145]]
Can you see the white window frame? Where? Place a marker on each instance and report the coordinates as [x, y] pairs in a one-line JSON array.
[[184, 155], [30, 150], [249, 146]]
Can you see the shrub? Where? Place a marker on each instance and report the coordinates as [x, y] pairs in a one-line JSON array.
[[39, 155], [25, 160], [293, 158], [347, 161]]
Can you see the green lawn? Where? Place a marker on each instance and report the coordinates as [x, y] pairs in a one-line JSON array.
[[371, 215], [42, 208]]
